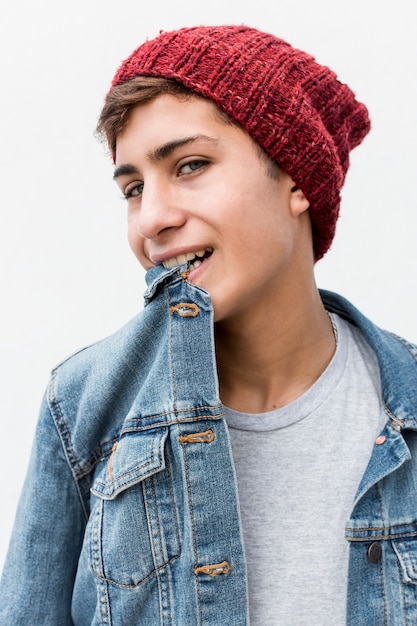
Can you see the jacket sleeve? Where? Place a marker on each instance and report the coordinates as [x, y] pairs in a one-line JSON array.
[[41, 564]]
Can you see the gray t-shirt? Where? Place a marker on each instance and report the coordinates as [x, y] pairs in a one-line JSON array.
[[298, 470]]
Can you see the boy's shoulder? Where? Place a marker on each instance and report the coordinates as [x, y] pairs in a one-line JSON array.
[[102, 355], [343, 307], [397, 360], [90, 392]]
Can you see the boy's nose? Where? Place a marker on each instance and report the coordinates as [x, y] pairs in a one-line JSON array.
[[159, 211]]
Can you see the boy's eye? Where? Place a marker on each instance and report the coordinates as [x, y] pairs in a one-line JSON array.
[[192, 166], [133, 190]]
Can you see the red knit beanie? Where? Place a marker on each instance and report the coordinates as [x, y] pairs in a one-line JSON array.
[[296, 109]]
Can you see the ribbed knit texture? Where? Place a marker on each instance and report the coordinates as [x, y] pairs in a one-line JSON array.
[[296, 109]]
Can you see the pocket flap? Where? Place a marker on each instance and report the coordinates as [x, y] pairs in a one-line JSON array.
[[136, 456], [406, 551]]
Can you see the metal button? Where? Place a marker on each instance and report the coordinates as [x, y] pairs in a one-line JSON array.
[[381, 439], [375, 552]]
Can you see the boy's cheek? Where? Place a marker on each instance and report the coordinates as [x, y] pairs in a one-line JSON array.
[[136, 245]]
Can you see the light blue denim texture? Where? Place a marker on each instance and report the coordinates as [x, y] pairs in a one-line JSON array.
[[129, 515]]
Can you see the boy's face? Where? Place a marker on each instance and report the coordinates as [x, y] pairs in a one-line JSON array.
[[196, 187]]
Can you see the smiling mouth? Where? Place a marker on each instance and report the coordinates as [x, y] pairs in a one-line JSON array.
[[194, 259]]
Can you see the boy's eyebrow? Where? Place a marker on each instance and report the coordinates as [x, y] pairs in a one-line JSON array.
[[124, 170], [168, 148], [164, 151]]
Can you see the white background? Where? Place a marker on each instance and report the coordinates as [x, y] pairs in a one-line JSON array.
[[67, 275]]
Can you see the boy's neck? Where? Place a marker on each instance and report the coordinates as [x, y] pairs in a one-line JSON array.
[[266, 361]]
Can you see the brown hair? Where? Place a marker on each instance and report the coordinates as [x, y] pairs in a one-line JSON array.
[[123, 98]]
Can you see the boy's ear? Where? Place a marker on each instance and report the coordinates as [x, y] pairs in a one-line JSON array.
[[298, 201]]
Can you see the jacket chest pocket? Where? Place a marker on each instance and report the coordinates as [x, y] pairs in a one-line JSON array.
[[133, 529]]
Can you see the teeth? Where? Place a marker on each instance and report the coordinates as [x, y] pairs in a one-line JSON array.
[[184, 258]]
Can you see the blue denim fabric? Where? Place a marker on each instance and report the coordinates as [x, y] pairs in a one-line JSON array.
[[129, 515], [383, 590]]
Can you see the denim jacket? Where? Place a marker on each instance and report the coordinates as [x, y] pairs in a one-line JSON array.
[[129, 515]]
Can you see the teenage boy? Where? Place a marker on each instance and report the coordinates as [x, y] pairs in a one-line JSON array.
[[244, 450]]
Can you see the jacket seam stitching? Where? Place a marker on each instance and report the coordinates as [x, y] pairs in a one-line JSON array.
[[143, 580], [98, 455], [190, 506], [381, 571], [171, 360], [390, 527], [401, 578], [381, 537], [176, 410], [410, 347], [151, 485], [65, 437]]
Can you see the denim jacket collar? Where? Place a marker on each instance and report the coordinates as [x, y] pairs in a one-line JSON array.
[[397, 361]]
